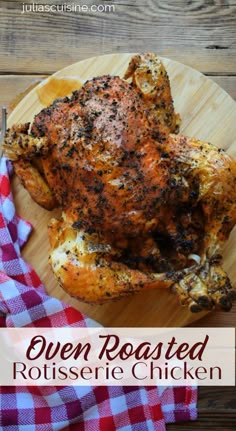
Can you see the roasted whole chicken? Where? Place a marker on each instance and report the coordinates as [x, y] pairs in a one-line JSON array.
[[142, 206]]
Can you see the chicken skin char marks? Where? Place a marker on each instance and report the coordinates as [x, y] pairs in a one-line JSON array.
[[142, 207]]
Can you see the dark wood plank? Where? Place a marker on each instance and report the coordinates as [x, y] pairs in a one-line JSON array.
[[217, 411], [218, 319], [200, 34], [217, 399], [215, 422]]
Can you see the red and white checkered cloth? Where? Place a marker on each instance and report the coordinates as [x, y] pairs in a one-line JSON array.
[[24, 303]]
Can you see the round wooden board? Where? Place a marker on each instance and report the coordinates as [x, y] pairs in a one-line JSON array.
[[207, 113]]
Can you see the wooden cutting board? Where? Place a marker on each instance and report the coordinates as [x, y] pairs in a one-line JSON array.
[[207, 113]]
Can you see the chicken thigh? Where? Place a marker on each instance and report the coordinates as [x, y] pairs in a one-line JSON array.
[[142, 207]]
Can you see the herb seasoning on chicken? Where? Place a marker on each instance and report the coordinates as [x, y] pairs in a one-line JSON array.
[[142, 207]]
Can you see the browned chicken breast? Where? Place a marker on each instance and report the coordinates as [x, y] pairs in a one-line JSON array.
[[142, 206]]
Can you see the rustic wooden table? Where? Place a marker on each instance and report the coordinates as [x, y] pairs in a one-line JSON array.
[[199, 33]]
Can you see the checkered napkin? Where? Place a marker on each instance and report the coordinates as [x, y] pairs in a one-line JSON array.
[[24, 303]]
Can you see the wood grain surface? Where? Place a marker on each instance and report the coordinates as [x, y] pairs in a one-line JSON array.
[[199, 33], [217, 411]]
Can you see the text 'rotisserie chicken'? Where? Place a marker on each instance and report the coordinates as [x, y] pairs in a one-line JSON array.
[[142, 206]]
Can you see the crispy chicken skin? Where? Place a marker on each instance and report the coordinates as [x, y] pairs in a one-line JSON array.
[[142, 207]]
